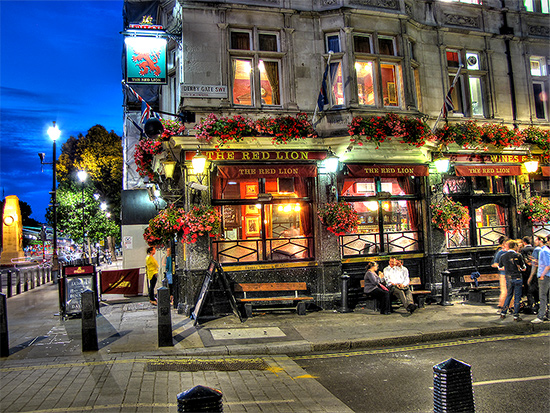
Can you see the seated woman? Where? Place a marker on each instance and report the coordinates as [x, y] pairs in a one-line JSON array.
[[376, 289]]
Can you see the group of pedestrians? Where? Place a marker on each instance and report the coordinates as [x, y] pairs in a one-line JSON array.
[[394, 281], [524, 268], [152, 272]]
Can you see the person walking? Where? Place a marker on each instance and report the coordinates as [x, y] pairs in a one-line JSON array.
[[527, 253], [376, 289], [543, 275], [503, 247], [152, 270], [512, 263]]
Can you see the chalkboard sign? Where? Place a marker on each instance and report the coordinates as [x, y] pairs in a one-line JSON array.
[[75, 286], [204, 290], [228, 292]]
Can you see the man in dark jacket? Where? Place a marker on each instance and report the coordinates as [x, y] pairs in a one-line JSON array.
[[512, 263]]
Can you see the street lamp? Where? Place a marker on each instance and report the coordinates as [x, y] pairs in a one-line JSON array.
[[82, 175], [54, 133]]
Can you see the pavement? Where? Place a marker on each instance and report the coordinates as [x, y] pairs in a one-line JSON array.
[[251, 362]]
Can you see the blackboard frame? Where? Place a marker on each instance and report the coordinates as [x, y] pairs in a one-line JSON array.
[[71, 273]]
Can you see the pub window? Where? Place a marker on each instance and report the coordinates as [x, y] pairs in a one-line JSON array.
[[332, 43], [256, 77], [540, 85], [264, 219], [389, 214], [468, 95], [379, 80]]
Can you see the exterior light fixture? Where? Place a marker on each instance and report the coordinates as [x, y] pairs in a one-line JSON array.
[[103, 206], [54, 133], [199, 162], [169, 168], [331, 162], [153, 128], [442, 164], [531, 164], [82, 175]]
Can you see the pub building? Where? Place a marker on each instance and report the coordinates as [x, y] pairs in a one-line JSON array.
[[267, 59]]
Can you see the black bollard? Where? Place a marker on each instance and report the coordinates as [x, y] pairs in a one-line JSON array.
[[9, 287], [4, 341], [445, 288], [200, 399], [17, 281], [345, 289], [453, 391], [89, 327], [164, 318]]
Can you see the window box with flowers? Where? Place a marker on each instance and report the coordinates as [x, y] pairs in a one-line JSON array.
[[536, 210], [339, 217], [540, 138], [199, 221], [163, 227], [224, 130], [144, 154], [284, 129], [449, 216], [379, 129]]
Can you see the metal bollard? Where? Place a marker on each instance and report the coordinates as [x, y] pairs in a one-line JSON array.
[[1, 283], [164, 318], [200, 399], [345, 289], [17, 281], [37, 277], [445, 288], [9, 287], [453, 391], [32, 282], [4, 341], [89, 327]]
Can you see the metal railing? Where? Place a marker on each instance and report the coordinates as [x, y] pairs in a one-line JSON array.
[[258, 250], [369, 244]]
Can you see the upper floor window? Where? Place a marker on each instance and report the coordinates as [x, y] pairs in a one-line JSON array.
[[332, 43], [463, 1], [540, 81], [468, 93], [537, 6], [256, 73], [378, 71]]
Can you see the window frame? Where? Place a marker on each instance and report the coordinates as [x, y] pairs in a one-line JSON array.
[[542, 80]]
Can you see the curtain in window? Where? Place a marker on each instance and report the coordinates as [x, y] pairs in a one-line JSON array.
[[300, 187], [272, 72], [406, 183], [333, 72], [501, 214]]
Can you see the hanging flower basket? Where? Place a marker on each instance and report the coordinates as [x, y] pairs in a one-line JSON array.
[[379, 129], [339, 217], [171, 128], [224, 130], [284, 129], [200, 220], [539, 137], [163, 227], [535, 209], [500, 136], [449, 216], [145, 151]]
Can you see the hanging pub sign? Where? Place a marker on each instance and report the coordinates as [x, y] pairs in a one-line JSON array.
[[145, 54]]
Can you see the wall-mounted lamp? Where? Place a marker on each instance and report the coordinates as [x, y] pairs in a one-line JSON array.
[[153, 128], [169, 167], [331, 161], [531, 164], [442, 164], [199, 162]]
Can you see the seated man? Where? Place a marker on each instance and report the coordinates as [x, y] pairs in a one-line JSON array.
[[397, 280]]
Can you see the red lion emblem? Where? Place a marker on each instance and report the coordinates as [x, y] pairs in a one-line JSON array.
[[146, 62]]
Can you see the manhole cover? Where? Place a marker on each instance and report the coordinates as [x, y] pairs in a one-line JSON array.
[[201, 365]]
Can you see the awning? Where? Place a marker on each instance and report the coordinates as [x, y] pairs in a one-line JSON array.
[[266, 171], [487, 170], [545, 170], [385, 171]]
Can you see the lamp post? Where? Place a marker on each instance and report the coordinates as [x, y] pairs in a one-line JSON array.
[[82, 175], [54, 133]]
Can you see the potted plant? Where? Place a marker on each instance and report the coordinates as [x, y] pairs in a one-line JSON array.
[[535, 209], [449, 216], [163, 227], [224, 130], [171, 128], [284, 129], [339, 217], [200, 220]]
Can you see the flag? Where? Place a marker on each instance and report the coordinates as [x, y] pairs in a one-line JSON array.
[[448, 104], [146, 110], [323, 99]]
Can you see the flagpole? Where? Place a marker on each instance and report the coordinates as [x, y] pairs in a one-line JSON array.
[[443, 107]]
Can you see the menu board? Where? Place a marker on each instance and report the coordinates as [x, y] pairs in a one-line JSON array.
[[75, 286]]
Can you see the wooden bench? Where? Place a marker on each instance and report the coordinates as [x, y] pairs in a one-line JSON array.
[[419, 296], [485, 283], [272, 296]]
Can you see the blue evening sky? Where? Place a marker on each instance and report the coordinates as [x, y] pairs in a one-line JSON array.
[[59, 61]]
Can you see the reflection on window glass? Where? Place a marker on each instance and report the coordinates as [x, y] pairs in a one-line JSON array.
[[365, 84], [240, 40], [453, 58], [541, 99], [333, 43], [242, 82], [476, 96], [385, 46], [473, 60], [538, 68], [359, 187], [269, 79], [390, 84]]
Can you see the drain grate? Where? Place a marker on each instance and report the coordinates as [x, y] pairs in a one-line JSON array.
[[210, 365]]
